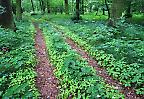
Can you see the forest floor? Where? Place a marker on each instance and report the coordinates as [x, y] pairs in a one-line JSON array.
[[127, 91], [54, 58], [48, 84], [45, 81], [63, 28]]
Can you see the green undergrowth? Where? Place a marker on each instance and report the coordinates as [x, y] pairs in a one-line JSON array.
[[76, 78], [17, 62], [137, 18], [120, 53], [94, 17]]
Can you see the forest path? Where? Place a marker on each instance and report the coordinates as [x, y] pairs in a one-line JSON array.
[[127, 91], [45, 81]]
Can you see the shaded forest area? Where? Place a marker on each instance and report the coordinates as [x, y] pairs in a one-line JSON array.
[[72, 49]]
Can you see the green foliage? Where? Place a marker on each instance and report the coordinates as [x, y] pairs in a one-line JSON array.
[[22, 84], [56, 3], [17, 77], [75, 76], [119, 50]]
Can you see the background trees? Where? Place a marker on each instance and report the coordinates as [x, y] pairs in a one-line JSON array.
[[77, 10], [18, 10], [66, 7], [6, 17], [111, 8], [114, 9]]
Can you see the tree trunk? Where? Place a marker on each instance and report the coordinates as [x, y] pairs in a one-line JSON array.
[[32, 6], [18, 10], [90, 8], [82, 6], [66, 7], [103, 11], [72, 5], [48, 6], [6, 18], [128, 10], [97, 10], [107, 8], [42, 5], [118, 7], [77, 10]]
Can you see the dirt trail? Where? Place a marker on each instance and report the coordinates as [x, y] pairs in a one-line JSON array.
[[45, 81], [128, 92]]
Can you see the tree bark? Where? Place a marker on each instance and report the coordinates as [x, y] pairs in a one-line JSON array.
[[77, 9], [48, 6], [82, 6], [72, 5], [128, 10], [6, 18], [18, 10], [107, 8], [42, 5], [66, 7], [118, 7], [90, 8], [103, 11]]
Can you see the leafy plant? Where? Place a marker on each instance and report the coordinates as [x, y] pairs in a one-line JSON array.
[[17, 77], [121, 57], [76, 78]]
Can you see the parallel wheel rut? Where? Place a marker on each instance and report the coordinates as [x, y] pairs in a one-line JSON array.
[[45, 81]]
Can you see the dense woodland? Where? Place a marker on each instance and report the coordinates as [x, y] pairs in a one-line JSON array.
[[72, 49]]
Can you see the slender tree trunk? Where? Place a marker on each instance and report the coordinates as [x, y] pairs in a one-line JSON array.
[[128, 10], [32, 6], [48, 6], [66, 7], [85, 8], [82, 7], [18, 10], [72, 5], [97, 10], [90, 8], [103, 11], [6, 18], [77, 9], [42, 3], [13, 7], [107, 8], [142, 8]]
